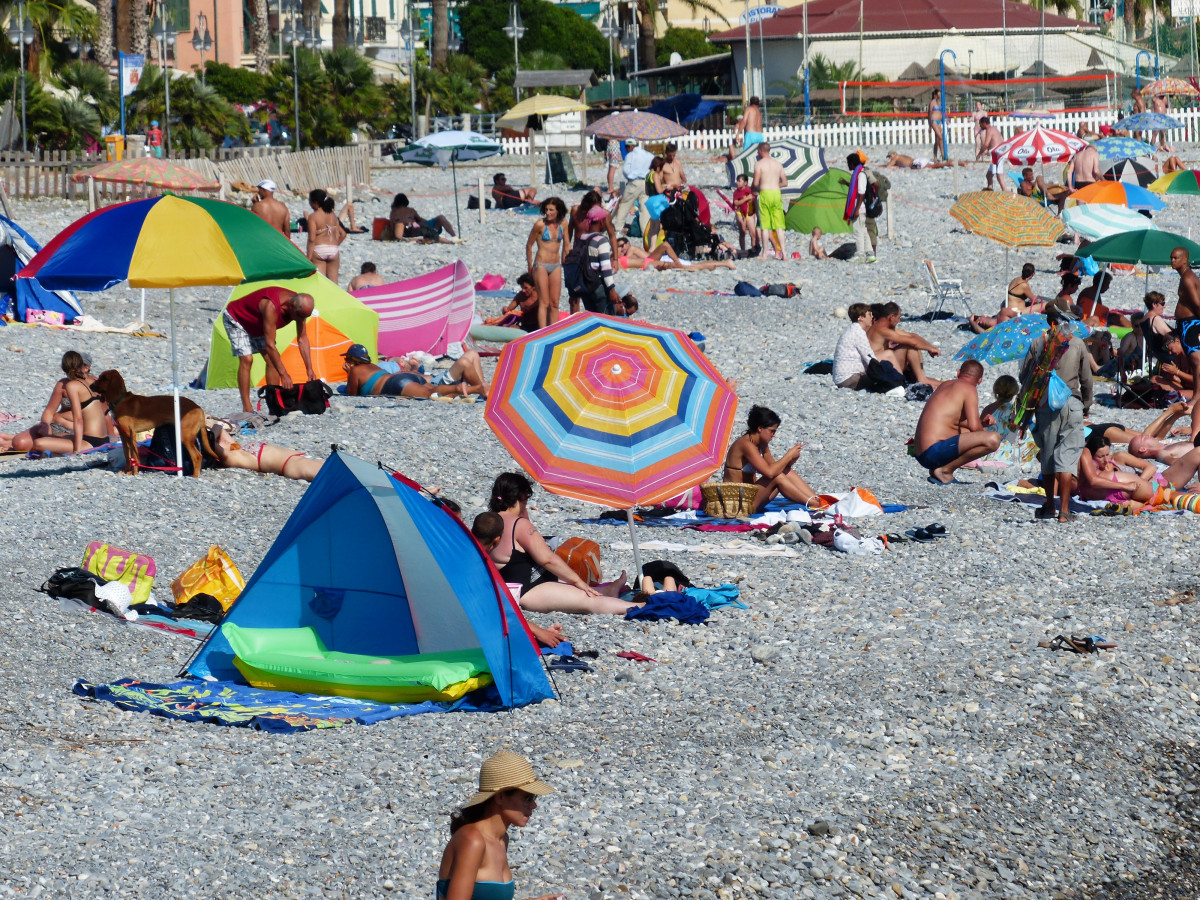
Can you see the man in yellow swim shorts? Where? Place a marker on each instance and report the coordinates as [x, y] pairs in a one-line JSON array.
[[769, 182]]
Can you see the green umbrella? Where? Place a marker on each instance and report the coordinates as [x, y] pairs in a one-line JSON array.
[[1151, 248], [822, 205]]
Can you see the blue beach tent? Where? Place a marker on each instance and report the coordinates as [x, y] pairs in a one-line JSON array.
[[16, 249], [376, 569]]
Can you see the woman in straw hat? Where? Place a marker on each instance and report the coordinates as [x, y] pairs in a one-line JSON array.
[[475, 862]]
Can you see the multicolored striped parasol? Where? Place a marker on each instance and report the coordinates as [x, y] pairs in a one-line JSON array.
[[1170, 87], [1100, 220], [1009, 219], [643, 126], [151, 172], [1117, 193], [802, 163]]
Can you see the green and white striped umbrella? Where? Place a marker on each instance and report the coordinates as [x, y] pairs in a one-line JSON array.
[[802, 163], [445, 148], [1101, 220]]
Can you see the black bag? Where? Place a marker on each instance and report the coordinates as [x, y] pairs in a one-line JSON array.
[[579, 278], [780, 290], [162, 451], [872, 205], [280, 401], [202, 607], [74, 583], [314, 397], [882, 377]]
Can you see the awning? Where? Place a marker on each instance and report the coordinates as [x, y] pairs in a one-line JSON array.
[[700, 67]]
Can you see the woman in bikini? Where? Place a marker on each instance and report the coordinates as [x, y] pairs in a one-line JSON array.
[[74, 420], [750, 461], [631, 256], [364, 379], [1020, 300], [545, 262], [524, 558], [474, 864], [936, 119], [259, 457], [325, 235]]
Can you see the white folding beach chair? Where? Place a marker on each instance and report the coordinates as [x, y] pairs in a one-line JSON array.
[[943, 293]]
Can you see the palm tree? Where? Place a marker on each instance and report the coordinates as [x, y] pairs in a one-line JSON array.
[[341, 23], [260, 37], [648, 12], [90, 84], [441, 33], [139, 26], [79, 120], [104, 32]]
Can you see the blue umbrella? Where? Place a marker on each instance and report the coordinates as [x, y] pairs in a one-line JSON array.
[[1010, 340], [1149, 121], [1122, 147]]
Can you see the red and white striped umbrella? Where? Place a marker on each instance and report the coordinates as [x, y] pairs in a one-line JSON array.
[[1038, 145]]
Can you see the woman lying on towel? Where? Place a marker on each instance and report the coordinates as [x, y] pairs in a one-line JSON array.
[[750, 461], [74, 420], [547, 583], [259, 457], [631, 256], [364, 379], [1102, 478]]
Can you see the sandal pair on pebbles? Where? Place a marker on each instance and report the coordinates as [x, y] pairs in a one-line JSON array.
[[928, 534], [1077, 644]]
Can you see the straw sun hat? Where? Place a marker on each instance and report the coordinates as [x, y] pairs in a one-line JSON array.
[[504, 771]]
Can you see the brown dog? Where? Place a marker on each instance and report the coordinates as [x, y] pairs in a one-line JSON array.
[[134, 413]]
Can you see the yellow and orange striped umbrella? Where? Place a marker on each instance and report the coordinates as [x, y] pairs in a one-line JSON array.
[[1009, 219], [147, 171]]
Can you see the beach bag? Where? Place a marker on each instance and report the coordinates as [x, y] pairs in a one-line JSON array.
[[214, 574], [872, 205], [1057, 392], [882, 185], [134, 570], [74, 583], [780, 290], [729, 499], [314, 397], [579, 277], [161, 452], [203, 608], [280, 401], [746, 289], [583, 556]]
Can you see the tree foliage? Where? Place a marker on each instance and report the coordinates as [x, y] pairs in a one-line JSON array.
[[690, 43], [563, 31], [244, 86]]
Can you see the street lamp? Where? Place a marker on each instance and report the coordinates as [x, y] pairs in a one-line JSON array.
[[20, 32], [453, 39], [290, 34], [629, 40], [202, 44], [515, 29], [406, 28], [78, 49], [609, 29], [165, 37]]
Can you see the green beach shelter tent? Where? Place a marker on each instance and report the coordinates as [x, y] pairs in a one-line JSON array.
[[338, 320], [821, 206]]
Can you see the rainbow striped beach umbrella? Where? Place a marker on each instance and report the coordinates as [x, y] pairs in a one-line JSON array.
[[611, 411]]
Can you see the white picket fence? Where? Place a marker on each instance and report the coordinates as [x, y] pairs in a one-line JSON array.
[[888, 133]]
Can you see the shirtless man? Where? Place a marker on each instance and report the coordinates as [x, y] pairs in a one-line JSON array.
[[750, 124], [1084, 170], [270, 210], [1158, 104], [904, 161], [1152, 443], [1138, 105], [901, 348], [1187, 320], [769, 182], [950, 433], [672, 170], [368, 277], [989, 140], [1030, 184]]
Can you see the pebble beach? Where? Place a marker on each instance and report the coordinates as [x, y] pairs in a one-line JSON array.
[[875, 727]]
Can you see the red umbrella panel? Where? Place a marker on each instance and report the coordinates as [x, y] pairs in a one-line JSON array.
[[611, 411]]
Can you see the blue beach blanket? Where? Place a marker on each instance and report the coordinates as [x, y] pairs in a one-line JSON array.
[[779, 504], [228, 703]]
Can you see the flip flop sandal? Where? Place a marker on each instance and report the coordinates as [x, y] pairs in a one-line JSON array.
[[635, 656], [937, 529], [1062, 642], [920, 535], [569, 664], [897, 538]]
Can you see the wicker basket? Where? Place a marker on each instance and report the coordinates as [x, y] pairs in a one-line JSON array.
[[729, 499]]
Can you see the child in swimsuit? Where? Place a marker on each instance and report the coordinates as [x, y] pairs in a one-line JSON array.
[[744, 212], [545, 251]]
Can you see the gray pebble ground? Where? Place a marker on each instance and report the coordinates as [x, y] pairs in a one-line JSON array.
[[879, 727]]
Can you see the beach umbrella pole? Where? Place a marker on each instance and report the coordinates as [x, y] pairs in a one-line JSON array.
[[175, 389], [457, 219], [637, 556], [143, 318]]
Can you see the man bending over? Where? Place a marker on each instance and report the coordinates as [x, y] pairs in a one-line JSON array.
[[949, 432]]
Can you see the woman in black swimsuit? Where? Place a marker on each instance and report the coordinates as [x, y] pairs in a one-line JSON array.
[[524, 558], [74, 420]]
